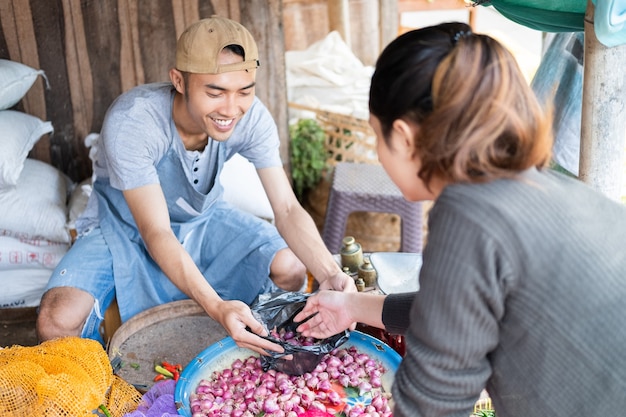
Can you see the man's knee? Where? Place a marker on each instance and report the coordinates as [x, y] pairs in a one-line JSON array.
[[62, 312], [287, 271]]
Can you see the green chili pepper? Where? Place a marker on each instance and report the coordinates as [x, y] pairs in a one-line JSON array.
[[105, 410], [163, 371]]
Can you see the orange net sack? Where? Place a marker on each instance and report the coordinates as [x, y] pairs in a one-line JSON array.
[[63, 377]]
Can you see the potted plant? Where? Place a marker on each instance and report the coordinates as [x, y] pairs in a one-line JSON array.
[[308, 155]]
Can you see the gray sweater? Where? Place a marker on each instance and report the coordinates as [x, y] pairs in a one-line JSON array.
[[522, 292]]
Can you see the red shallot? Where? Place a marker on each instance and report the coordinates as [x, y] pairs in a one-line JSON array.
[[346, 381]]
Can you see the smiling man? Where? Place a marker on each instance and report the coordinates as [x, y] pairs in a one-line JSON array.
[[157, 228]]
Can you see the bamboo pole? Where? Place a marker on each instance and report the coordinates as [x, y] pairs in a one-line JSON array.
[[389, 21], [603, 124]]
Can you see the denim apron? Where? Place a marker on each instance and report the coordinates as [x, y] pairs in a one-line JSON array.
[[225, 262]]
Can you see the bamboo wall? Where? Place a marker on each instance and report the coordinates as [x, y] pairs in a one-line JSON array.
[[93, 50]]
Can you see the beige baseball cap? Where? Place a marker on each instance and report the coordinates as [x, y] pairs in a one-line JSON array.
[[199, 46]]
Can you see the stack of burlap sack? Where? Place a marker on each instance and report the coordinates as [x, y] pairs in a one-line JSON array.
[[33, 197]]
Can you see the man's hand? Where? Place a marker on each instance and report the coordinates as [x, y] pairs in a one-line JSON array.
[[339, 282], [235, 316]]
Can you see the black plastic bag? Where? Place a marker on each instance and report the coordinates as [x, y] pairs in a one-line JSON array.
[[276, 311]]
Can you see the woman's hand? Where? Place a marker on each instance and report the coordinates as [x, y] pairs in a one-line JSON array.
[[331, 314], [236, 317]]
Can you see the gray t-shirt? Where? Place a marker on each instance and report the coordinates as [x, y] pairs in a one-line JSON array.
[[522, 291], [138, 131]]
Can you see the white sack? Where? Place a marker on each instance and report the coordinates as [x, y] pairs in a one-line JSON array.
[[78, 202], [16, 253], [23, 287], [18, 134], [36, 207], [15, 81], [328, 75]]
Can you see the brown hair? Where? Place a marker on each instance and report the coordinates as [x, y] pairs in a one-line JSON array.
[[478, 118]]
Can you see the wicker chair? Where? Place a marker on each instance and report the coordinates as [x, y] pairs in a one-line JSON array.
[[359, 181], [367, 187]]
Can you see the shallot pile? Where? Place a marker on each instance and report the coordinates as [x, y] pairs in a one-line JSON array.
[[244, 390], [292, 338]]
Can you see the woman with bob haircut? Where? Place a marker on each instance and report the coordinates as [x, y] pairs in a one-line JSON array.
[[523, 282]]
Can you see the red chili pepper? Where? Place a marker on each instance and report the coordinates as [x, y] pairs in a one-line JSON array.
[[176, 375], [169, 366], [159, 377], [179, 367]]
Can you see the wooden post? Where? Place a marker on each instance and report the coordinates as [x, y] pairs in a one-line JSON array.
[[339, 19], [389, 21], [263, 18], [603, 128]]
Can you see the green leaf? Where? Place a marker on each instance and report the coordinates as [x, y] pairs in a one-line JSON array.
[[308, 155]]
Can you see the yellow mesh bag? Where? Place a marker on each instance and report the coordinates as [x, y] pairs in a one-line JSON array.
[[122, 398], [63, 377], [18, 393]]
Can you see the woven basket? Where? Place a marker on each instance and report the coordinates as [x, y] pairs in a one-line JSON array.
[[348, 139]]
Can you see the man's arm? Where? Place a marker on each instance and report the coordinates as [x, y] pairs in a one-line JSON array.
[[149, 209], [299, 231]]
